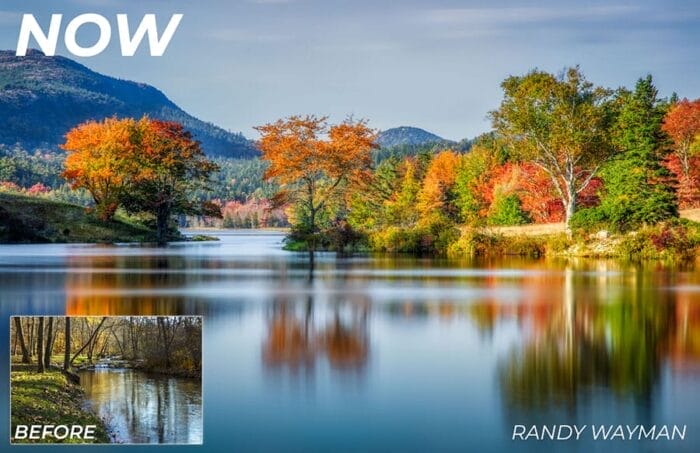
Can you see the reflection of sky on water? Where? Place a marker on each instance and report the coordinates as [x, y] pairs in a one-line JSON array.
[[141, 408], [396, 353]]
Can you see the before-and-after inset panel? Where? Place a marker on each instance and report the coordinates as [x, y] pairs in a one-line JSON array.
[[106, 379]]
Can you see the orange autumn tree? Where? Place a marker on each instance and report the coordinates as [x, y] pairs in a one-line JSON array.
[[682, 124], [435, 192], [312, 162], [97, 160], [168, 167], [147, 166]]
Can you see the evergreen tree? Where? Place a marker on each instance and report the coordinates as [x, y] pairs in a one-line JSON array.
[[638, 188], [506, 210], [402, 210]]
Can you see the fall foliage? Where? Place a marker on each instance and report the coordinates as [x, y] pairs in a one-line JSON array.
[[682, 124], [561, 149], [437, 185], [561, 125], [169, 165], [147, 166], [98, 160], [312, 161]]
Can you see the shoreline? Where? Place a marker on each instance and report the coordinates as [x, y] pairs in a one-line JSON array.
[[181, 374]]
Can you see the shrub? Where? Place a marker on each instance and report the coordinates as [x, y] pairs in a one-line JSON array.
[[474, 243], [588, 220], [397, 239], [506, 210], [341, 237], [558, 243], [667, 241]]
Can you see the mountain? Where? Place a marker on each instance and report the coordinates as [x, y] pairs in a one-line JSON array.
[[412, 136], [42, 98]]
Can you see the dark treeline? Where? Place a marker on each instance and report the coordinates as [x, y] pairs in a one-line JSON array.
[[166, 344]]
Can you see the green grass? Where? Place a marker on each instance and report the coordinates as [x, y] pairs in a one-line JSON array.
[[34, 219], [49, 399], [294, 245], [56, 359]]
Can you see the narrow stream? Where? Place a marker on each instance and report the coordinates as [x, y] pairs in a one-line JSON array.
[[143, 408]]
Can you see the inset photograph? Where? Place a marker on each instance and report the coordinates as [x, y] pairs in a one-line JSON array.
[[106, 379]]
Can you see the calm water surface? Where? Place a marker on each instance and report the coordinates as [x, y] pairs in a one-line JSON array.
[[394, 354], [145, 408]]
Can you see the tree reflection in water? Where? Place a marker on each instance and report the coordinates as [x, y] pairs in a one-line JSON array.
[[296, 342], [143, 408], [599, 340]]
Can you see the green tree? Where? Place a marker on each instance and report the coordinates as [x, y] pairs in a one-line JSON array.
[[401, 211], [638, 187], [506, 210], [368, 205], [472, 174], [560, 124]]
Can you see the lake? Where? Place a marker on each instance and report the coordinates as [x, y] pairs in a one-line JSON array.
[[395, 353]]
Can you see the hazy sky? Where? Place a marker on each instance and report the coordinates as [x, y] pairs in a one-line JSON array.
[[431, 64]]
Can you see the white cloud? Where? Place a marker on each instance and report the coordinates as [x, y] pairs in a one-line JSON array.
[[495, 16], [247, 36], [101, 3], [270, 2], [358, 47]]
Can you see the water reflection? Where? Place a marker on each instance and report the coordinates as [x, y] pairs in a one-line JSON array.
[[141, 408], [583, 344], [294, 339], [414, 354]]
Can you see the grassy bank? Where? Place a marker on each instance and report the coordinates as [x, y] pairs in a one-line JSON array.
[[49, 399], [670, 241], [26, 219]]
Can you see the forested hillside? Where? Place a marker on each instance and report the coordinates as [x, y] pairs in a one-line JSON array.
[[42, 98]]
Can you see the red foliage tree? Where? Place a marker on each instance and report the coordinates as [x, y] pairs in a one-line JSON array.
[[534, 188], [682, 124]]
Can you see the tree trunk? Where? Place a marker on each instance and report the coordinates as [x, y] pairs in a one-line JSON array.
[[31, 337], [49, 344], [162, 333], [162, 225], [20, 338], [90, 340], [119, 345], [312, 237], [40, 343], [66, 354], [134, 339], [685, 160], [570, 208], [569, 200]]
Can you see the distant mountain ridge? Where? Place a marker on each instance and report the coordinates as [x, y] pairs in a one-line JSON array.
[[408, 136], [42, 98]]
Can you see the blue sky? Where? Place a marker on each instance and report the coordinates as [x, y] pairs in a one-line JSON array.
[[431, 64]]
